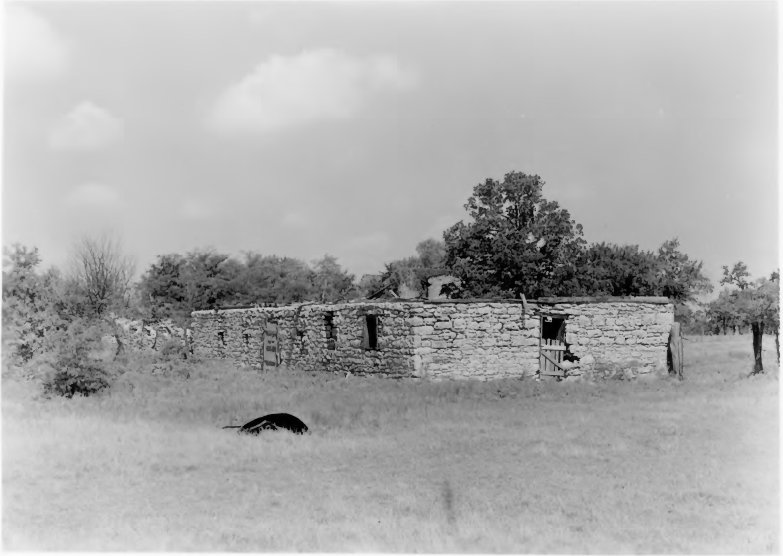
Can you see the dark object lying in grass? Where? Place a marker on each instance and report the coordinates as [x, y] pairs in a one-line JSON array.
[[272, 422]]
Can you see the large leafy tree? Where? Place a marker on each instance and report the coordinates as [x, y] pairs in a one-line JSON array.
[[517, 243]]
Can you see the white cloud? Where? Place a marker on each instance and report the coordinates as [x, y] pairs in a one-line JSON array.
[[289, 91], [85, 128], [92, 194], [33, 49]]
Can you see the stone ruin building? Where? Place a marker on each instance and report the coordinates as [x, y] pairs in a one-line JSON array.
[[478, 339]]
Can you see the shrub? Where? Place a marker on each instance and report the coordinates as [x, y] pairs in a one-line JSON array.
[[71, 364], [174, 349], [77, 377]]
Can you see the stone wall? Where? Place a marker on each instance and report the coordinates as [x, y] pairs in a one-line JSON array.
[[302, 337], [452, 339], [621, 335], [137, 335], [474, 340]]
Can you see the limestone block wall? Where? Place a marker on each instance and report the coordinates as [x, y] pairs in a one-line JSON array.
[[632, 335], [480, 340], [444, 339], [391, 356], [238, 334]]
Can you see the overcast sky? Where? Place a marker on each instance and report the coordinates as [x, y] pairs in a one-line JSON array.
[[360, 129]]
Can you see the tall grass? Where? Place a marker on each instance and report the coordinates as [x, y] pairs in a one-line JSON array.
[[395, 465]]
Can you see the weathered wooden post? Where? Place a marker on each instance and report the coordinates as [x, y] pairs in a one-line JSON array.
[[675, 351]]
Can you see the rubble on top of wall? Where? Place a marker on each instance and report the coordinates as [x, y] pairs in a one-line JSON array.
[[137, 335]]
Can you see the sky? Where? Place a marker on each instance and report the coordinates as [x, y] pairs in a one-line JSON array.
[[359, 129]]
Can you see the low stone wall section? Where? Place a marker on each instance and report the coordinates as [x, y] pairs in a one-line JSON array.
[[141, 336]]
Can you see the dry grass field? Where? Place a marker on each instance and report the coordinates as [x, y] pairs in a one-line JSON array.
[[510, 466]]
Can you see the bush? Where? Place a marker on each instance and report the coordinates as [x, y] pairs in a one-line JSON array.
[[72, 365], [174, 349], [85, 378]]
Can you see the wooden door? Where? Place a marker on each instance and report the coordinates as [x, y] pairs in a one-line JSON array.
[[552, 346], [271, 358]]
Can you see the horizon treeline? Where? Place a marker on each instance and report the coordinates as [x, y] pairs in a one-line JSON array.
[[515, 243]]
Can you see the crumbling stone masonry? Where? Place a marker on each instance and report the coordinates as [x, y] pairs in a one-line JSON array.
[[447, 339]]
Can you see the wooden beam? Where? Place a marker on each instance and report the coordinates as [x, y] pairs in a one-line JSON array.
[[558, 365], [559, 372]]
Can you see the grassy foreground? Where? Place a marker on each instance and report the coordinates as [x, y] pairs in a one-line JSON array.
[[397, 466]]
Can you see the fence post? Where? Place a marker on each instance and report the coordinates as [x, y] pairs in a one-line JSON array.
[[675, 351]]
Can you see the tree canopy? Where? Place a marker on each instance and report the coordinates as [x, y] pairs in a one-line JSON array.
[[175, 285], [408, 276], [517, 243]]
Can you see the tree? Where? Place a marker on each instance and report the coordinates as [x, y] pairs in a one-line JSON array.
[[756, 304], [737, 276], [517, 243], [29, 303], [411, 274], [45, 325], [626, 270], [162, 290], [207, 280], [102, 273], [679, 278], [279, 280], [609, 269], [759, 306], [405, 277], [331, 282], [431, 253], [723, 312]]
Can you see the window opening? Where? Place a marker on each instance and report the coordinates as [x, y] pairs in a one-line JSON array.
[[222, 338], [370, 332], [331, 330], [553, 328]]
